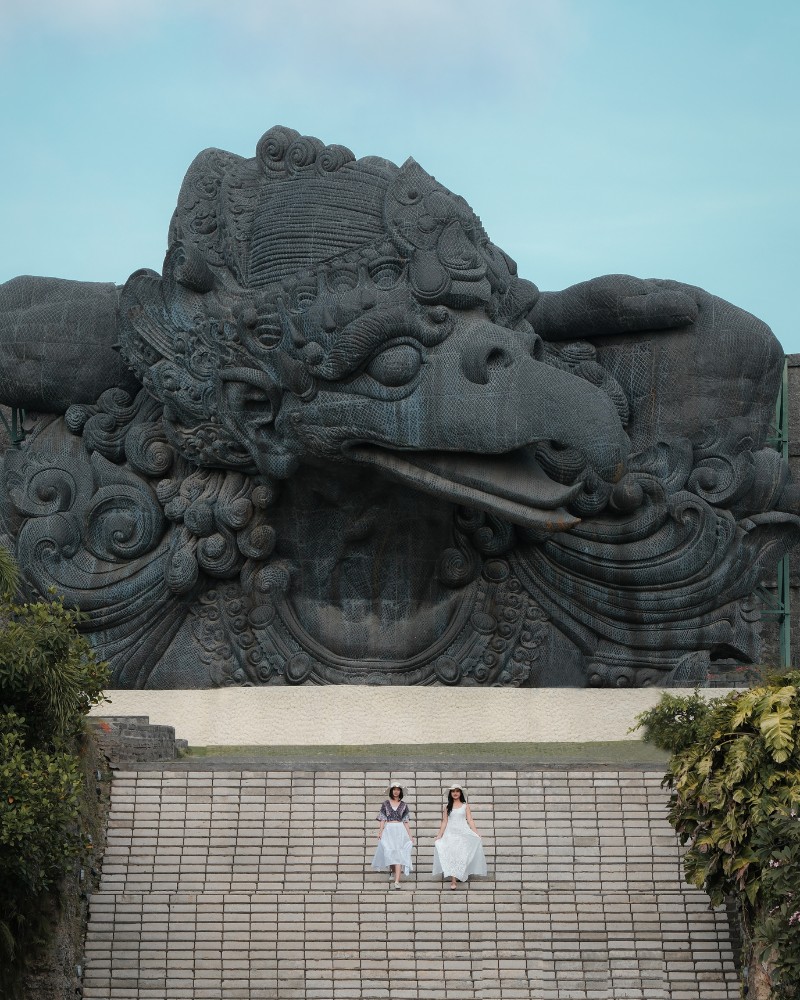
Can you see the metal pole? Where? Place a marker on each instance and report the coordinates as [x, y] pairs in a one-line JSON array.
[[781, 443], [15, 430]]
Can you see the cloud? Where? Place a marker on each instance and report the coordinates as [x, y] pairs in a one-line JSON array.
[[463, 33], [75, 17], [448, 41]]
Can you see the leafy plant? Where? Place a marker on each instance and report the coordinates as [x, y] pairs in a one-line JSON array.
[[776, 930], [675, 722], [39, 821], [744, 769], [735, 800], [48, 672], [38, 809], [49, 678], [8, 575]]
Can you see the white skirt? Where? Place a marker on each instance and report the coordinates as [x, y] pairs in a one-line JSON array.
[[394, 848], [459, 854]]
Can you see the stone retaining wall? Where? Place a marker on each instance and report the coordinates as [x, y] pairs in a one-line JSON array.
[[348, 715]]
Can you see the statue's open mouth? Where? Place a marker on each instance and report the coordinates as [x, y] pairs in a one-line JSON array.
[[512, 485]]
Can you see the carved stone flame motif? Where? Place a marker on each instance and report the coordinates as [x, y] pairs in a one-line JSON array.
[[339, 440]]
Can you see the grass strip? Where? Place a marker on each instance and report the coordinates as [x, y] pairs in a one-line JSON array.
[[621, 752]]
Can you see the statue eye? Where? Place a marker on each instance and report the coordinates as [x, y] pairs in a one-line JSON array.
[[395, 366], [303, 297], [386, 272], [342, 280]]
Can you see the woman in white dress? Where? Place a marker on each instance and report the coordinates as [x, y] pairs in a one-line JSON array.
[[458, 851], [394, 836]]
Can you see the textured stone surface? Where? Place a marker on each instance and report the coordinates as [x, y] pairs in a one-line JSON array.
[[343, 441], [259, 882], [135, 739]]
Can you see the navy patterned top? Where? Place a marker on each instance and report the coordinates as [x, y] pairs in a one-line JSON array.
[[391, 814]]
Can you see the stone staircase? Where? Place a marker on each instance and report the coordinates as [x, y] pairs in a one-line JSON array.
[[234, 883]]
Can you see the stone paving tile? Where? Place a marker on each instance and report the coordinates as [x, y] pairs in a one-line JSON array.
[[256, 883]]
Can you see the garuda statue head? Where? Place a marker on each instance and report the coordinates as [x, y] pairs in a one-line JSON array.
[[346, 325], [318, 308]]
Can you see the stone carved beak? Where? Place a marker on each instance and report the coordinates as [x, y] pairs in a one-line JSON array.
[[470, 430], [514, 487]]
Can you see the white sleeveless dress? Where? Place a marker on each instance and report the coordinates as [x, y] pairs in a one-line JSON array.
[[459, 853]]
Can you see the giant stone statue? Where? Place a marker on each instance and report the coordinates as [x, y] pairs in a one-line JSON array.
[[339, 440]]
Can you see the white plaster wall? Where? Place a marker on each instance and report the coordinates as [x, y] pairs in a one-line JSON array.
[[347, 715]]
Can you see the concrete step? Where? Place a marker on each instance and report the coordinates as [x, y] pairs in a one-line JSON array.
[[256, 883], [128, 739]]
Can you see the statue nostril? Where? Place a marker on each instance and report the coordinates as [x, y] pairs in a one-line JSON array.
[[488, 356], [497, 358]]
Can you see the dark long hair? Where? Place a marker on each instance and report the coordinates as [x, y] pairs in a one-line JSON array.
[[450, 799]]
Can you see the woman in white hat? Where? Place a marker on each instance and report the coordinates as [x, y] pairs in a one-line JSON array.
[[458, 851], [394, 835]]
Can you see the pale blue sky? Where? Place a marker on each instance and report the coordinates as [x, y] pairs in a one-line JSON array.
[[591, 136]]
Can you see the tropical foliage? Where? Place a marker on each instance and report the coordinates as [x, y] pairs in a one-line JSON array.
[[735, 802], [777, 925]]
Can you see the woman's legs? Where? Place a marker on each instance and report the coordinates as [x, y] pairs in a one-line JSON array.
[[397, 869]]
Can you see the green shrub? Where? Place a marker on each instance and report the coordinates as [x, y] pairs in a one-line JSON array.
[[39, 839], [734, 803], [49, 678], [675, 722], [39, 809], [743, 770], [776, 845], [48, 672], [8, 575]]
